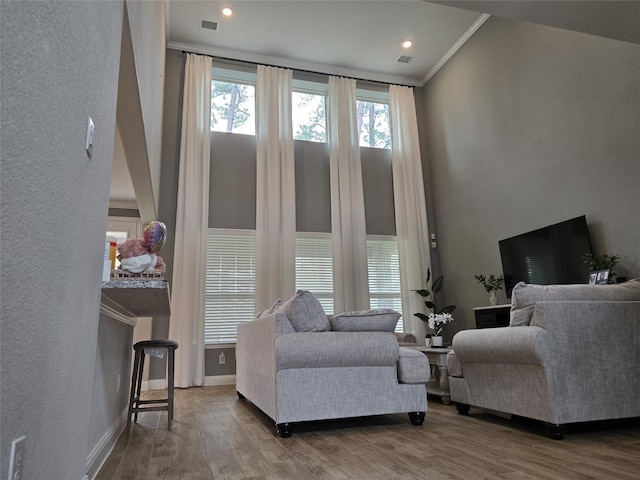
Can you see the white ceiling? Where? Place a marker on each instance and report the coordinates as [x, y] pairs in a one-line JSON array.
[[358, 38]]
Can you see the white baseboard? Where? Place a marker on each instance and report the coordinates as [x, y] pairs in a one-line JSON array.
[[219, 380], [161, 384], [103, 448]]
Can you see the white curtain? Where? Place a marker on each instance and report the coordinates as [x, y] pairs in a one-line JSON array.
[[192, 214], [275, 189], [350, 278], [411, 213]]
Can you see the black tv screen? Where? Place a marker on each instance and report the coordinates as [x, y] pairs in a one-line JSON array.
[[547, 256]]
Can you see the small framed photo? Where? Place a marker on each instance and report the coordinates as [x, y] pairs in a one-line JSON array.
[[599, 277]]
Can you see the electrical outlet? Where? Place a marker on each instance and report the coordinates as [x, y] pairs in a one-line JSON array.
[[16, 461], [222, 359]]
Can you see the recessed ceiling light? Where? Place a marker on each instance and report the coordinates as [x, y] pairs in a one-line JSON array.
[[227, 12], [407, 43]]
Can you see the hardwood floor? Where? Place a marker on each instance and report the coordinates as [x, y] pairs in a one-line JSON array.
[[216, 436]]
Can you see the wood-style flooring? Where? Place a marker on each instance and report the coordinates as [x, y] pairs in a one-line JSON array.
[[216, 436]]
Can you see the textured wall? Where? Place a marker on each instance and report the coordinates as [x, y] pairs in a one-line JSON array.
[[527, 126], [59, 66]]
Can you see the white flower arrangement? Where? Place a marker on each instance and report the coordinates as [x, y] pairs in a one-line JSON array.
[[437, 322]]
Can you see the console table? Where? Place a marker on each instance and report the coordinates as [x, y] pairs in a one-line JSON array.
[[493, 316], [439, 382]]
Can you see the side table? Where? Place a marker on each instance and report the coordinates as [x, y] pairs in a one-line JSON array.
[[439, 383]]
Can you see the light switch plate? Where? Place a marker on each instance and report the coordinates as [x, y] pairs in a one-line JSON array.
[[89, 143], [16, 461]]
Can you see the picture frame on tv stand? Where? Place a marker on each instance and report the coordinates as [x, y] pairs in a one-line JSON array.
[[599, 277]]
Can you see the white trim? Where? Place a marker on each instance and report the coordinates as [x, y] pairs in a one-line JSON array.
[[110, 312], [456, 46], [105, 445], [155, 384], [161, 383], [126, 204], [219, 380]]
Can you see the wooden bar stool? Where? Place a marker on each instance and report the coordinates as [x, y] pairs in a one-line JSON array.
[[135, 404]]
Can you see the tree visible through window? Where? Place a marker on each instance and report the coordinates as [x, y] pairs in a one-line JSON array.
[[373, 124], [232, 107], [309, 117]]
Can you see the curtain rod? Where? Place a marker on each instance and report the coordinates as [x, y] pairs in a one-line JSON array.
[[246, 62]]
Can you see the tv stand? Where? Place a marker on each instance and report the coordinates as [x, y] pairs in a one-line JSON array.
[[493, 316]]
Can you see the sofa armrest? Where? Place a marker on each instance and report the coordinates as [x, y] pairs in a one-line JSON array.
[[508, 345], [256, 359]]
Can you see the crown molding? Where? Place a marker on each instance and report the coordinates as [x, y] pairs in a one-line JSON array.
[[456, 46]]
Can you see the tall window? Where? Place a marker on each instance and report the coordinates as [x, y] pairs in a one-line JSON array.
[[314, 267], [373, 124], [233, 107], [230, 283], [384, 274], [309, 117]]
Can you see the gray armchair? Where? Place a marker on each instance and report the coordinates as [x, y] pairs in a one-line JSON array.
[[296, 365], [570, 355]]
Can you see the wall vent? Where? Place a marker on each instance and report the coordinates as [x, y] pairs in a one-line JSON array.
[[210, 25], [404, 59]]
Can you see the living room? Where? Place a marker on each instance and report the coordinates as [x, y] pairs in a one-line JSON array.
[[525, 126]]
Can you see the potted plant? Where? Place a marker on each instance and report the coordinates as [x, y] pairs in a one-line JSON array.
[[491, 284], [438, 317], [602, 262]]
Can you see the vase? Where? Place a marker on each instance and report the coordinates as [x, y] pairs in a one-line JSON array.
[[436, 341], [493, 298]]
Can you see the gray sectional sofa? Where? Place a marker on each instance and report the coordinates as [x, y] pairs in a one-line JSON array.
[[296, 364], [571, 354]]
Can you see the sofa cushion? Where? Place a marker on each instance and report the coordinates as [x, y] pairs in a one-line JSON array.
[[525, 296], [413, 366], [336, 349], [380, 320], [305, 312]]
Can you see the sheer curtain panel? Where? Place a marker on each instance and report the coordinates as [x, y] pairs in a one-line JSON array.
[[410, 209], [275, 189], [192, 216], [351, 284]]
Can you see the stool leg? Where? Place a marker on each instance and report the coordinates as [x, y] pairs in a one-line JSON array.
[[134, 377], [139, 385], [170, 370]]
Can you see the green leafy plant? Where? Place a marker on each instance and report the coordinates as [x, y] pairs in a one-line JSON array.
[[429, 293], [600, 262], [490, 283]]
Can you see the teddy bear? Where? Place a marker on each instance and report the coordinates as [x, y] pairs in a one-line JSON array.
[[135, 257]]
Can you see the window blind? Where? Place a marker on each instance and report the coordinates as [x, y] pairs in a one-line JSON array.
[[230, 283], [314, 267], [384, 274]]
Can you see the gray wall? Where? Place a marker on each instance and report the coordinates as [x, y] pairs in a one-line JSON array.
[[59, 66], [524, 127], [60, 359]]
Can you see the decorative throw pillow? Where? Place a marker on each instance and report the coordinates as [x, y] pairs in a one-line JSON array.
[[380, 320], [525, 296], [305, 312]]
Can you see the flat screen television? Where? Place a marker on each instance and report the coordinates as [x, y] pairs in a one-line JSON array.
[[546, 256]]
